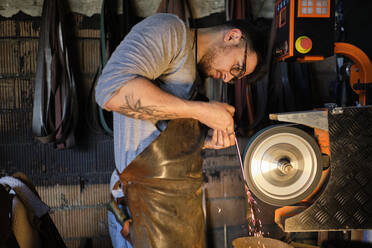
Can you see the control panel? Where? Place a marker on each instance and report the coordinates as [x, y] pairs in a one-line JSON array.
[[304, 29]]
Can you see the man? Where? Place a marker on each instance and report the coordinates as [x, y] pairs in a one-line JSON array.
[[150, 78]]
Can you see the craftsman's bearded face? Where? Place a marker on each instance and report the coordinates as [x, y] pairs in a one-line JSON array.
[[206, 62], [228, 62]]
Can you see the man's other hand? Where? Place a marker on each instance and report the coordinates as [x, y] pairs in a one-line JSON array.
[[217, 139]]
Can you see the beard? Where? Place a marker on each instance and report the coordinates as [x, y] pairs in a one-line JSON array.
[[205, 63]]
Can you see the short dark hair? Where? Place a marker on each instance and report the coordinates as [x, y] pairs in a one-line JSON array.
[[256, 33]]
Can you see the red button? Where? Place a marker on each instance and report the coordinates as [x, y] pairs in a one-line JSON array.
[[306, 43]]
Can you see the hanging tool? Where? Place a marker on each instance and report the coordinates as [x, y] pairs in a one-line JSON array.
[[122, 217], [114, 208]]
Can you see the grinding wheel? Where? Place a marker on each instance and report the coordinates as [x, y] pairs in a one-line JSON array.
[[282, 165]]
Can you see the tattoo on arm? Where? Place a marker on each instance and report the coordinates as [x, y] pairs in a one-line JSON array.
[[133, 108]]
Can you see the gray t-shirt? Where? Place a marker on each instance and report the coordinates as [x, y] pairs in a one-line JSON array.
[[159, 47]]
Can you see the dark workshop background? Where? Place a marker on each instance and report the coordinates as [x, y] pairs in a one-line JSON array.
[[75, 182]]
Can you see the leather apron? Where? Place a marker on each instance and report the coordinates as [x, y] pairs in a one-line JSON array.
[[163, 188]]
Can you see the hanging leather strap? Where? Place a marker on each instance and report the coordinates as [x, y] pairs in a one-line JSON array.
[[102, 118], [92, 108], [55, 109], [99, 120]]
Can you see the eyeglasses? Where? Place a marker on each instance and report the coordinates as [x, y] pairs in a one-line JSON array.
[[238, 71]]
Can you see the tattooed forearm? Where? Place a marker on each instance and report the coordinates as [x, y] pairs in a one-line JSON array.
[[133, 108]]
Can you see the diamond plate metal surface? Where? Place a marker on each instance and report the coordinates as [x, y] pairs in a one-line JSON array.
[[346, 202]]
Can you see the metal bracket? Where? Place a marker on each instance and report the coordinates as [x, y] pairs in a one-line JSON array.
[[313, 118]]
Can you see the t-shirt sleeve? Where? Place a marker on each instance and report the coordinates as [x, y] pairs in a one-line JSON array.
[[147, 51]]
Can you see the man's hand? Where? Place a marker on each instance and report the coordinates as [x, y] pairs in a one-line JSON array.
[[216, 115], [217, 139], [219, 117]]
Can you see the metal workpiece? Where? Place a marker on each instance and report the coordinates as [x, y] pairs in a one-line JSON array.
[[313, 118]]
